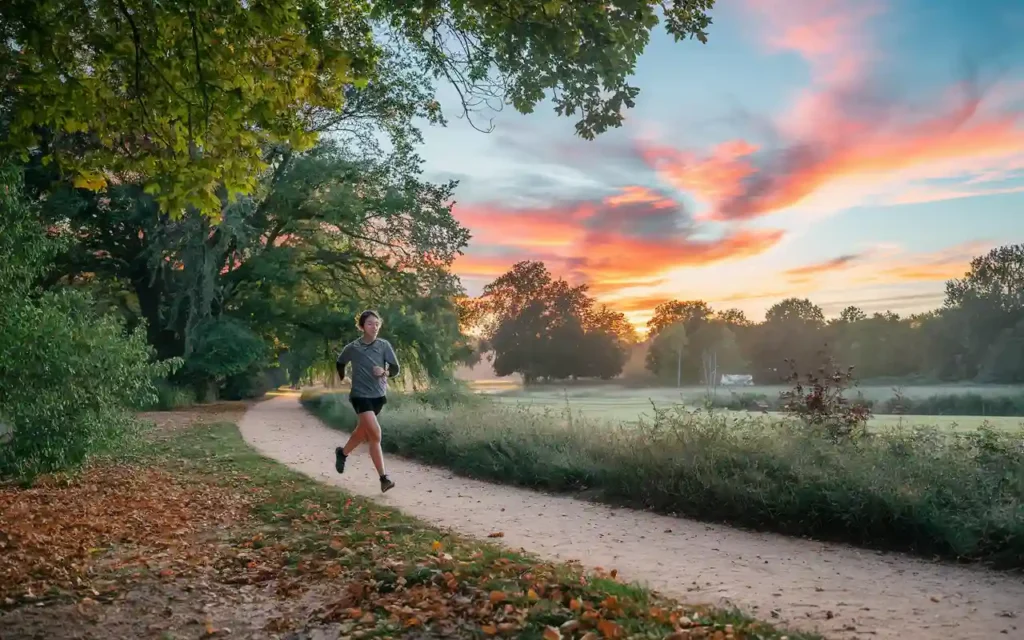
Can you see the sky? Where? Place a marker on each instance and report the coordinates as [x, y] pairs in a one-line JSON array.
[[854, 152]]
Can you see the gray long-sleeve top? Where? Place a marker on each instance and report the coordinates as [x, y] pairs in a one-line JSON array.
[[364, 357]]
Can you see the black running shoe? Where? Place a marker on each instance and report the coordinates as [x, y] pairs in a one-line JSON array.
[[339, 459], [386, 484]]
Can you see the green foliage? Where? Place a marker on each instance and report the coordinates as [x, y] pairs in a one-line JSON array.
[[667, 350], [707, 333], [958, 496], [67, 373], [541, 327], [223, 348], [579, 55], [329, 231], [186, 97]]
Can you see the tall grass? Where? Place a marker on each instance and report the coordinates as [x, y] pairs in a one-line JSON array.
[[956, 496]]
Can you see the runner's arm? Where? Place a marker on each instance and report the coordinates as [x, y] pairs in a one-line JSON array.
[[343, 359], [391, 359]]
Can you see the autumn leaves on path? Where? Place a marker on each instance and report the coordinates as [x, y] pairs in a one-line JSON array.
[[840, 591], [200, 537]]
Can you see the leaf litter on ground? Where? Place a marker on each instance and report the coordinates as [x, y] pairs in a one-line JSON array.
[[206, 509]]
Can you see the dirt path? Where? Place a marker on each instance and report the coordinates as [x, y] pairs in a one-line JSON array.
[[837, 590]]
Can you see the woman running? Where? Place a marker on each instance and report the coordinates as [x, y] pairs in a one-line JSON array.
[[373, 362]]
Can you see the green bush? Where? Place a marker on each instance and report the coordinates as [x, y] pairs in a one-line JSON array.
[[68, 375], [922, 491], [254, 383], [225, 353]]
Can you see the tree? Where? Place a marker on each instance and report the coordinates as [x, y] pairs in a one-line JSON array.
[[795, 310], [718, 338], [852, 314], [734, 318], [541, 327], [693, 314], [670, 346], [997, 276], [982, 310], [792, 331], [184, 97], [327, 231], [690, 312]]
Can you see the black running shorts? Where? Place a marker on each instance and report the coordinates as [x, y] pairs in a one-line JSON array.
[[365, 405]]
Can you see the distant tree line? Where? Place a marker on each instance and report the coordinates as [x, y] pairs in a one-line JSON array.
[[977, 335]]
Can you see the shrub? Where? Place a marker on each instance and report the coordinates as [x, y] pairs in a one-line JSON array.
[[957, 496], [68, 375], [246, 385], [224, 350], [818, 400]]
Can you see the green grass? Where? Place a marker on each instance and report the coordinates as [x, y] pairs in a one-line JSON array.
[[961, 410], [402, 554], [921, 490]]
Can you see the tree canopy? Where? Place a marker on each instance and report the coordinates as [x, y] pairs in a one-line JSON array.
[[542, 327], [184, 97]]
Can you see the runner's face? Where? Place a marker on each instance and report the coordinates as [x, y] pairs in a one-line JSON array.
[[371, 326]]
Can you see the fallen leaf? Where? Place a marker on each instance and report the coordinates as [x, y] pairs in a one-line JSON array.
[[497, 596], [551, 633], [489, 629], [609, 629], [574, 605], [496, 534], [532, 595]]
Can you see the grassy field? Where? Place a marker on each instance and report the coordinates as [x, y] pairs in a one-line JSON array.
[[202, 537], [613, 404], [933, 492]]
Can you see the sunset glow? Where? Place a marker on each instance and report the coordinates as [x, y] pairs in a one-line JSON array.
[[852, 152]]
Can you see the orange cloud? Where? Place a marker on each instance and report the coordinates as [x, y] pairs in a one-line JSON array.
[[640, 195], [540, 228], [889, 266], [737, 184], [937, 266], [629, 239], [843, 144], [799, 274]]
